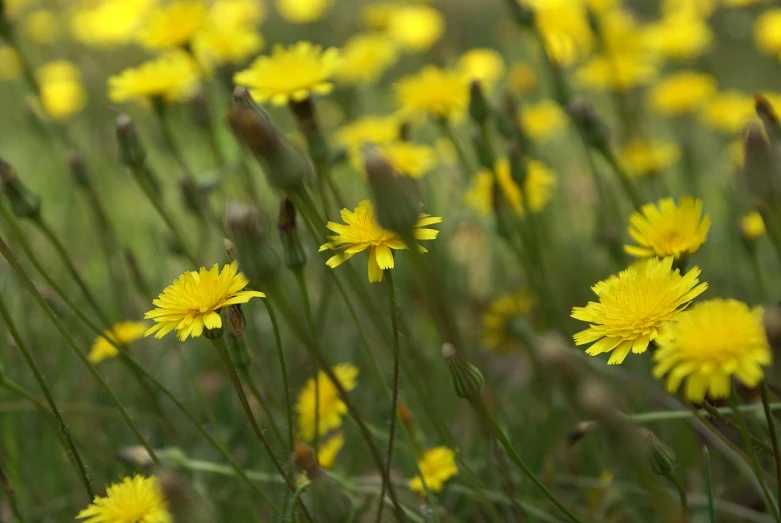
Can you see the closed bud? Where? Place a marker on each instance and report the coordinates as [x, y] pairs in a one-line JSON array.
[[593, 129], [131, 150], [304, 459], [507, 117], [78, 168], [254, 244], [485, 155], [768, 115], [579, 432], [405, 415], [295, 255], [478, 105], [236, 320], [760, 170], [230, 248], [23, 202], [396, 197], [326, 502], [467, 379], [405, 131], [518, 170], [191, 195], [660, 456]]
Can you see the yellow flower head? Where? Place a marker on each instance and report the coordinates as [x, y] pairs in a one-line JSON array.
[[365, 58], [433, 91], [174, 24], [619, 72], [752, 226], [633, 306], [416, 27], [437, 466], [521, 78], [194, 301], [219, 44], [110, 22], [122, 334], [666, 230], [484, 65], [767, 32], [329, 450], [729, 111], [303, 11], [643, 157], [134, 500], [171, 76], [291, 74], [331, 408], [377, 15], [680, 36], [406, 158], [10, 65], [62, 92], [565, 29], [542, 120], [369, 129], [682, 92], [710, 343], [237, 13], [497, 320], [361, 231], [539, 184], [43, 26]]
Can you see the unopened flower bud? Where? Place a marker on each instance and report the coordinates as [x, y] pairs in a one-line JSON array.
[[507, 117], [191, 195], [593, 129], [485, 155], [131, 150], [255, 247], [293, 250], [518, 170], [405, 415], [467, 379], [768, 115], [78, 168], [404, 131], [304, 459], [478, 105], [760, 170], [660, 456], [396, 197], [230, 248], [236, 320], [23, 202]]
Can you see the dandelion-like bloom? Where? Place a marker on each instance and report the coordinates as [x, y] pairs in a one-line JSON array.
[[538, 186], [633, 306], [303, 11], [365, 58], [682, 92], [369, 130], [329, 450], [361, 231], [484, 65], [643, 157], [565, 29], [122, 334], [237, 13], [542, 120], [497, 320], [110, 22], [416, 27], [171, 77], [134, 500], [292, 73], [219, 44], [619, 72], [174, 24], [406, 158], [729, 111], [708, 344], [752, 226], [331, 409], [43, 26], [679, 35], [194, 301], [62, 91], [437, 466], [767, 32], [665, 229], [433, 91]]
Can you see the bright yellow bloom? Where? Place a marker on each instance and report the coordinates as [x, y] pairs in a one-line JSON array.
[[194, 301], [437, 466], [643, 157], [416, 27], [729, 111], [433, 91], [329, 450], [539, 184], [633, 306], [303, 11], [680, 36], [565, 29], [682, 92], [331, 408], [521, 78], [110, 22], [43, 26], [10, 65], [406, 158], [368, 129], [365, 58], [542, 120], [237, 13], [62, 91], [484, 65], [696, 8], [134, 500], [752, 226], [361, 231], [620, 72], [122, 334], [174, 24], [219, 44], [172, 76], [665, 229], [710, 343], [497, 320], [291, 74], [767, 32]]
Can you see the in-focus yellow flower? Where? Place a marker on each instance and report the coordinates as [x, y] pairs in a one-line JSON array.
[[365, 58], [433, 91], [329, 450], [43, 26], [542, 120], [497, 320], [219, 44], [110, 22], [10, 65], [134, 500], [194, 300], [62, 91], [484, 65], [682, 92], [368, 130], [665, 229], [303, 11], [331, 409], [291, 74], [767, 32], [437, 466], [565, 29], [172, 77], [521, 78], [644, 157], [729, 111], [416, 27], [377, 15], [709, 344], [680, 36], [361, 231], [633, 306], [122, 334], [752, 226], [237, 13], [173, 24], [406, 158], [539, 184]]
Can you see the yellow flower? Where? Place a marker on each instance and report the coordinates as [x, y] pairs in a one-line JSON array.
[[416, 27], [291, 74], [171, 76], [368, 129], [331, 408], [666, 230], [729, 111], [329, 450], [62, 92], [752, 226], [633, 306], [376, 16], [365, 58], [10, 66], [497, 320], [542, 120], [767, 32], [361, 231], [433, 91], [437, 466], [174, 24], [741, 3], [682, 92], [43, 26], [303, 11], [406, 158], [13, 8], [194, 301], [122, 334], [219, 44], [710, 343], [237, 13], [521, 78], [620, 72], [565, 29], [134, 500], [110, 22], [643, 157], [681, 36], [484, 65], [539, 184]]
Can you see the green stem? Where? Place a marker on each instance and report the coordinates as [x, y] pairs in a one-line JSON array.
[[682, 497], [301, 281], [771, 427], [447, 131], [281, 355], [256, 393], [161, 112], [672, 415], [719, 416], [709, 485], [10, 495], [296, 497]]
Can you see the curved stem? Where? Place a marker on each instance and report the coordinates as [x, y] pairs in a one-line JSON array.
[[296, 497], [710, 409]]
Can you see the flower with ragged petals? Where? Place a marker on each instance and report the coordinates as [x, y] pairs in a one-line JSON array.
[[666, 229], [729, 111], [643, 156], [174, 24], [542, 120], [135, 500], [109, 22], [680, 35], [62, 90], [365, 58], [370, 129], [330, 407], [483, 65], [767, 32], [434, 92], [538, 187], [682, 92], [415, 27], [121, 334], [406, 158], [437, 466], [219, 44], [171, 77]]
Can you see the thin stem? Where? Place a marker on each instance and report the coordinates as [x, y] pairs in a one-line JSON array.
[[682, 497], [672, 415], [771, 427], [296, 497], [626, 183], [281, 355], [161, 111], [255, 391], [10, 494], [710, 409], [447, 131], [301, 281], [709, 485]]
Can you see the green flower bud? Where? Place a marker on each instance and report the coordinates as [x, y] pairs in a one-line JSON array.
[[78, 169], [254, 245], [760, 170], [295, 255], [23, 202], [485, 156], [326, 502], [131, 150], [467, 379], [594, 131], [660, 456], [396, 197], [478, 105]]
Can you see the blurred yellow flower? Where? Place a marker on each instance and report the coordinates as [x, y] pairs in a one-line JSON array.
[[173, 24], [539, 184], [633, 306], [664, 229], [496, 331], [682, 92], [679, 36], [329, 450], [742, 3], [368, 129], [709, 344], [171, 76], [376, 16], [729, 111], [110, 22], [291, 74], [542, 120], [13, 8], [406, 158], [303, 11], [138, 499], [432, 91], [223, 44], [330, 407], [437, 466], [62, 91], [237, 13], [484, 65], [752, 226], [621, 72], [644, 157], [767, 32], [521, 78], [122, 334], [699, 8], [416, 27], [10, 66], [365, 58], [361, 231], [565, 29], [43, 26]]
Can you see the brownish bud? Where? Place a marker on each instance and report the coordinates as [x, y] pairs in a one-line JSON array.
[[760, 169], [131, 150], [305, 460], [590, 125], [230, 248], [136, 456], [576, 434], [23, 202], [236, 320], [78, 168], [293, 250]]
